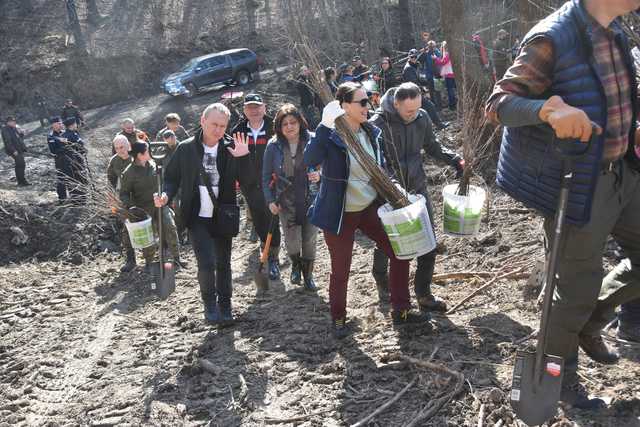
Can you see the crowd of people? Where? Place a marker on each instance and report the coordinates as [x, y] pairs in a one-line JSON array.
[[296, 173]]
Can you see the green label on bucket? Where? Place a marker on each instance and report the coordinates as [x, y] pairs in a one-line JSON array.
[[409, 227]]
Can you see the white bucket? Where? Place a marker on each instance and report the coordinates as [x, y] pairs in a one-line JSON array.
[[462, 214], [140, 233], [409, 228]]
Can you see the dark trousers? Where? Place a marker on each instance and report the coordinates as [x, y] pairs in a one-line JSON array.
[[213, 256], [584, 302], [261, 217], [341, 251], [20, 166], [63, 174], [451, 92], [424, 269]]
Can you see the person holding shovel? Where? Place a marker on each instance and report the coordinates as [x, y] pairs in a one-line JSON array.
[[406, 130], [204, 169], [137, 187], [285, 183], [117, 164], [347, 201], [538, 101]]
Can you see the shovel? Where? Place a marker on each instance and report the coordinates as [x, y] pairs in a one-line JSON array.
[[537, 377], [164, 272], [262, 278]]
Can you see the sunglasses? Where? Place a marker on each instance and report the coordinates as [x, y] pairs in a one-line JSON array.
[[363, 102]]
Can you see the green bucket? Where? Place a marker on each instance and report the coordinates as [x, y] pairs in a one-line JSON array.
[[141, 233]]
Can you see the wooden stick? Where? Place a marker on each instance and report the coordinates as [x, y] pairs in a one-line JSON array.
[[481, 416], [485, 286], [458, 275], [294, 419]]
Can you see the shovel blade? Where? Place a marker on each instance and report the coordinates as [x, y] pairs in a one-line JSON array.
[[535, 399], [165, 284], [262, 280]]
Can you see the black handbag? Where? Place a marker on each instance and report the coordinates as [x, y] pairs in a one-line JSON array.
[[225, 221]]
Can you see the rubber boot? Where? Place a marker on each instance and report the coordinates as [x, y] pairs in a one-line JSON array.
[[296, 269], [307, 273], [130, 263], [274, 261], [206, 280]]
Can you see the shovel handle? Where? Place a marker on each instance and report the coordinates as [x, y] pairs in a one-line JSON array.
[[265, 251]]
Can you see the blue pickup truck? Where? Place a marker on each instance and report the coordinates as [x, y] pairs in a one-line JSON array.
[[239, 66]]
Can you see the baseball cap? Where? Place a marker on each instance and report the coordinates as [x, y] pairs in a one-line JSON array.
[[253, 98]]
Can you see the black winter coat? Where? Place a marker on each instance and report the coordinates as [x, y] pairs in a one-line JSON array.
[[183, 174], [13, 140]]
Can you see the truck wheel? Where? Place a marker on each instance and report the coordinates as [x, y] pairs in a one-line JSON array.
[[243, 78]]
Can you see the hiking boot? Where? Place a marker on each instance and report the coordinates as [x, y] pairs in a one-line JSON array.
[[628, 331], [23, 184], [296, 269], [382, 284], [226, 317], [576, 396], [595, 347], [307, 273], [405, 317], [130, 264], [274, 269], [340, 328], [432, 303]]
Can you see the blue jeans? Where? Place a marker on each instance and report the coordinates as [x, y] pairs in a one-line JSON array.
[[451, 92], [214, 263]]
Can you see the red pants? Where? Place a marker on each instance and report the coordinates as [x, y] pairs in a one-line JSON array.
[[341, 250]]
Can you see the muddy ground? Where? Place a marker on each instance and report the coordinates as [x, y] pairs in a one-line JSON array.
[[82, 344]]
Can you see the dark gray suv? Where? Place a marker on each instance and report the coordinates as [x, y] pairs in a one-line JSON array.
[[230, 66]]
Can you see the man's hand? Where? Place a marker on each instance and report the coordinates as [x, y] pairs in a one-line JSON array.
[[567, 121], [274, 208], [241, 145], [160, 201]]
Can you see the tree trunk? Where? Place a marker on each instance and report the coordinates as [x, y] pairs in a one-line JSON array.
[[466, 61], [74, 24], [93, 14], [406, 28]]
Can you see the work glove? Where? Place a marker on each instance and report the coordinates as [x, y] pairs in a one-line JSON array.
[[330, 113], [567, 121]]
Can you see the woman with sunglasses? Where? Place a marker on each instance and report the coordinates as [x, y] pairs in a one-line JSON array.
[[285, 183], [347, 201], [386, 77]]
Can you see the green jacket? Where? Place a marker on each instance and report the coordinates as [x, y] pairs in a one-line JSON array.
[[117, 165], [137, 185]]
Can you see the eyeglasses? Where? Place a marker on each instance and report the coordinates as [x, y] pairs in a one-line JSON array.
[[363, 102]]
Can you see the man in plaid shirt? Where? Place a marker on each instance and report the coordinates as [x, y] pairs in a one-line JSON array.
[[574, 76]]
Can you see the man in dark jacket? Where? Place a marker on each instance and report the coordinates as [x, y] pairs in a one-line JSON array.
[[258, 127], [172, 123], [58, 146], [537, 101], [76, 154], [13, 138], [210, 162], [406, 130], [501, 53], [69, 110], [428, 69], [410, 75]]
